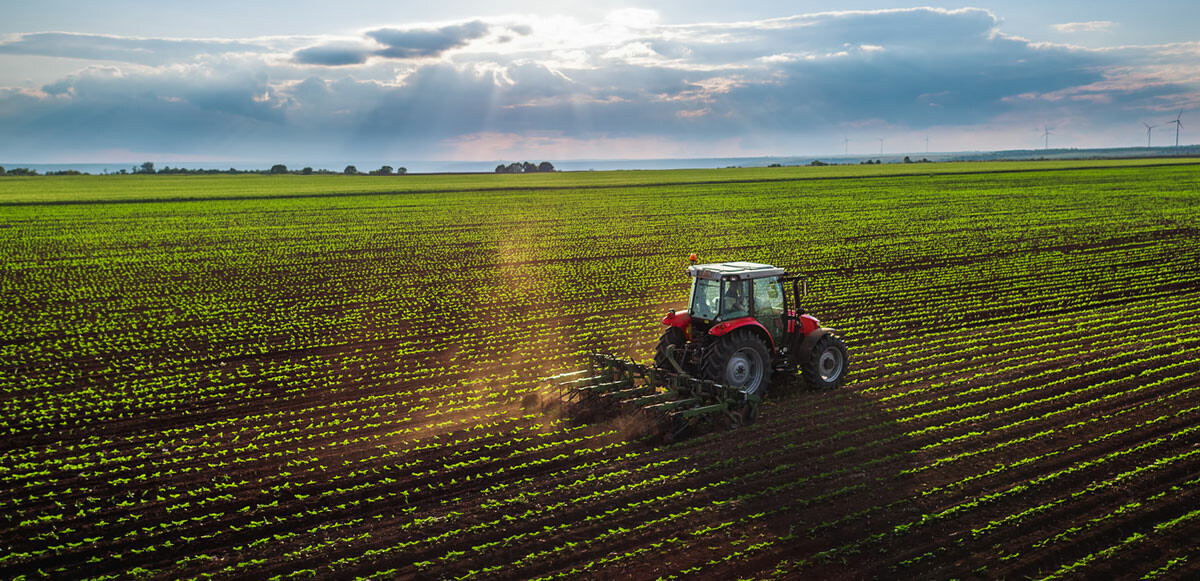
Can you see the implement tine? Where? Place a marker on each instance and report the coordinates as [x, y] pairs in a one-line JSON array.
[[650, 399], [672, 401], [567, 374]]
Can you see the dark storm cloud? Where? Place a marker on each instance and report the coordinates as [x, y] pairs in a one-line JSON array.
[[102, 109], [235, 94], [331, 55], [427, 42], [902, 85], [408, 43], [148, 51]]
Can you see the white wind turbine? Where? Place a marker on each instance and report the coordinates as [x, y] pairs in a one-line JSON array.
[[1178, 125], [1149, 128]]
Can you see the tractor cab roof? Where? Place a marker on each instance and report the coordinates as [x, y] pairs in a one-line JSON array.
[[734, 271]]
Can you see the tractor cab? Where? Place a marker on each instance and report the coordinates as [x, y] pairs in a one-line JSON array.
[[736, 290]]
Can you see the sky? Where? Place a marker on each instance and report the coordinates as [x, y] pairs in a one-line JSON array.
[[129, 80]]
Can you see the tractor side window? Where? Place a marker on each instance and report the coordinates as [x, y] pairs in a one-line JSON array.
[[706, 297], [735, 302], [768, 298]]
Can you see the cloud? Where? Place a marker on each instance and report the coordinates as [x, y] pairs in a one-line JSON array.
[[147, 51], [1092, 26], [914, 28], [181, 109], [332, 55], [408, 43], [626, 85], [426, 42]]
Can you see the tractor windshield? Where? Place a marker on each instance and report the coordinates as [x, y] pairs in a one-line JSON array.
[[735, 299], [706, 298]]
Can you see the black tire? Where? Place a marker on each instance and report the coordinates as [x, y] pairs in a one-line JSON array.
[[740, 360], [825, 365], [673, 336]]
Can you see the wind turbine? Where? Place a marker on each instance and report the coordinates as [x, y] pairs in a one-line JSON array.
[[926, 144], [880, 146], [1047, 134], [846, 142], [1149, 128], [1178, 124]]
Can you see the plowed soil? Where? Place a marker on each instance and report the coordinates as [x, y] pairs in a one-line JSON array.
[[359, 386]]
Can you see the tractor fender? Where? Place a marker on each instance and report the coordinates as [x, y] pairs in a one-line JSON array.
[[808, 323], [681, 320], [811, 339], [730, 326]]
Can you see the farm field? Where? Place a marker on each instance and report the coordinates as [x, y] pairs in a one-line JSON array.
[[338, 377]]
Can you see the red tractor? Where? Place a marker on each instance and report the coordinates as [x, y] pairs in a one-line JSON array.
[[718, 359], [740, 329]]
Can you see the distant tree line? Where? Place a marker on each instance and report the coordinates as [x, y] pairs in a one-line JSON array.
[[387, 170], [525, 167], [819, 163], [18, 171], [148, 168]]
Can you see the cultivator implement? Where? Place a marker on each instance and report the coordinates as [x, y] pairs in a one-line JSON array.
[[672, 403]]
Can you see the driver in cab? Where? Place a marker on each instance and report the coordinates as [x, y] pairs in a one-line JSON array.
[[736, 302]]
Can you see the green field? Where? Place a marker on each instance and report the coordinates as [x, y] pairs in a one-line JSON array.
[[343, 376], [184, 187]]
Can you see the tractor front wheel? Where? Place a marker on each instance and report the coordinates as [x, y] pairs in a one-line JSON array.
[[673, 337], [825, 365], [740, 360]]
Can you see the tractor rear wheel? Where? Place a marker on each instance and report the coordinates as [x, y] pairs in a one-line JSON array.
[[824, 367], [740, 360], [673, 337]]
